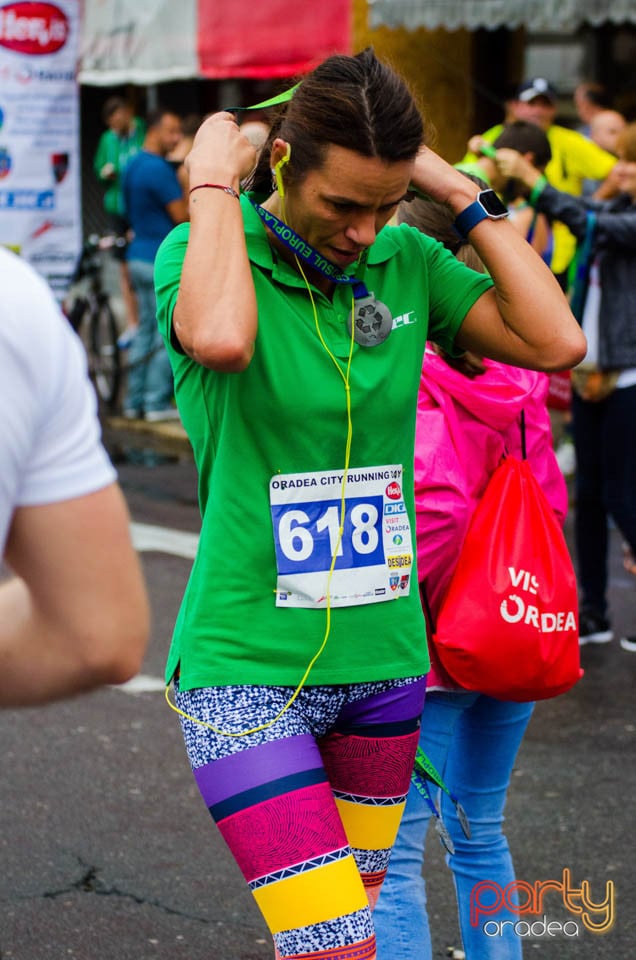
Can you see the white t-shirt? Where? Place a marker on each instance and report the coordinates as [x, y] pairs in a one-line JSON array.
[[50, 447]]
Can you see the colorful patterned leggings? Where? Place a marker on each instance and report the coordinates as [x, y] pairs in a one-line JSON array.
[[309, 807]]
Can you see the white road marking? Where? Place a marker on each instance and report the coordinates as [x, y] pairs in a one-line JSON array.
[[146, 536], [142, 683], [179, 543]]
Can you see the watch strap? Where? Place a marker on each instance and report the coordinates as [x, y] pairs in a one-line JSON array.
[[486, 206], [469, 218]]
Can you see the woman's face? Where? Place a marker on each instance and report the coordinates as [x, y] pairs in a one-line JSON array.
[[625, 173], [340, 208]]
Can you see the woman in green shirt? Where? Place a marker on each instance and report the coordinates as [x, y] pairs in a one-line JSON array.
[[296, 321]]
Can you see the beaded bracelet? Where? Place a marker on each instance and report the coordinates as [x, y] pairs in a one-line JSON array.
[[216, 186]]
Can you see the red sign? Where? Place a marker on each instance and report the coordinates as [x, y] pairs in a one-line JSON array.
[[274, 39], [393, 491], [33, 28]]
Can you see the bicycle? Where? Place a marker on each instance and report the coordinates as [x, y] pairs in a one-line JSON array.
[[90, 314]]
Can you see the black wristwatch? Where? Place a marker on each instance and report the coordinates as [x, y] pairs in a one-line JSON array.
[[487, 206]]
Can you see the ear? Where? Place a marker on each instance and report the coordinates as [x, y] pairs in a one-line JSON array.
[[281, 150]]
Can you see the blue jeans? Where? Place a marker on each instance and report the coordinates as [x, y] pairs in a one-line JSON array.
[[149, 383], [605, 484], [472, 740]]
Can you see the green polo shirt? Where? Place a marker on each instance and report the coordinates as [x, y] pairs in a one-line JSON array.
[[118, 151], [286, 414]]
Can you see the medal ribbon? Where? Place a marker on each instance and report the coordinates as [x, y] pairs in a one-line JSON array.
[[295, 243], [283, 97], [424, 772]]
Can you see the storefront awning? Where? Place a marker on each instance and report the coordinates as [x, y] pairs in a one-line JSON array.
[[151, 41], [537, 16]]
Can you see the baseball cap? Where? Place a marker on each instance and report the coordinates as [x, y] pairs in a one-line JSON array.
[[537, 87]]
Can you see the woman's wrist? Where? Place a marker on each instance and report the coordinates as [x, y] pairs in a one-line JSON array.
[[460, 199], [224, 187], [202, 173]]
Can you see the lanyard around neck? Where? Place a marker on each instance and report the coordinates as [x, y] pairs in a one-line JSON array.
[[308, 255]]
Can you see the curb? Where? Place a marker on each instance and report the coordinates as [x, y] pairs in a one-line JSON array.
[[169, 437]]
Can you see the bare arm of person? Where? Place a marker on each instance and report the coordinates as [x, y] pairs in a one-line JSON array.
[[74, 615], [178, 210], [609, 187], [523, 222], [525, 319], [215, 316], [541, 237]]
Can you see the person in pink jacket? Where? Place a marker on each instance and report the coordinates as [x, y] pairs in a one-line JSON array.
[[468, 417]]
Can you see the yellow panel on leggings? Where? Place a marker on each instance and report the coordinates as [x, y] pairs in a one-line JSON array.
[[370, 827], [320, 894]]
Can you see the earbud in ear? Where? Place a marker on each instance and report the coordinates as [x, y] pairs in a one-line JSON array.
[[278, 175]]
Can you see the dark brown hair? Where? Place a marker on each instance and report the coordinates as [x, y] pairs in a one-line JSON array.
[[355, 102], [436, 220], [526, 138], [112, 105]]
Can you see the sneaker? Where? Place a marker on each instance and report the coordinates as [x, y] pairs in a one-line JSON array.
[[160, 416], [566, 458], [126, 338], [628, 643], [593, 628]]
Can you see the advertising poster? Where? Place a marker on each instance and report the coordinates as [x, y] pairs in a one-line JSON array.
[[40, 215]]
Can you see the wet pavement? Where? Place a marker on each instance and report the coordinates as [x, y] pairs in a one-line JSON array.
[[108, 853]]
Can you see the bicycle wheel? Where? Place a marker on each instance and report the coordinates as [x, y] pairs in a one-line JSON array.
[[103, 355], [75, 312]]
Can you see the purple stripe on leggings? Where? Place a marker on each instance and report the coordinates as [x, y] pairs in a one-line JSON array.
[[250, 768], [390, 706]]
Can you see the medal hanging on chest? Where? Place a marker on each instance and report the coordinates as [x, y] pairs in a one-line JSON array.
[[372, 321]]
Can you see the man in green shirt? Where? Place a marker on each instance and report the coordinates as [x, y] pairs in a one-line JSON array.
[[122, 139]]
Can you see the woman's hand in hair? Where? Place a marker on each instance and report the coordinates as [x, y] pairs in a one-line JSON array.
[[220, 152], [437, 180]]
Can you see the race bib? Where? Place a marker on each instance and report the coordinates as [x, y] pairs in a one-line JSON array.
[[373, 555]]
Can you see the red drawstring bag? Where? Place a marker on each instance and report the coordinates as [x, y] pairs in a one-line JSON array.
[[560, 390], [508, 625]]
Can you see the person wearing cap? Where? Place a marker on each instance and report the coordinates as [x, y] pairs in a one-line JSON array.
[[574, 157]]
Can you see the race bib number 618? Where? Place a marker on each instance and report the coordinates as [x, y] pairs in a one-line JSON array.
[[368, 545]]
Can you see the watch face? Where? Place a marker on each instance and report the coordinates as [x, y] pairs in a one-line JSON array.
[[492, 204]]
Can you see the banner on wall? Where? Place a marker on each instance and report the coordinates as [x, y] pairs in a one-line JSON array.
[[40, 213], [160, 40]]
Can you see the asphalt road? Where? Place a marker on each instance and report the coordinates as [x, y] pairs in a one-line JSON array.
[[107, 852]]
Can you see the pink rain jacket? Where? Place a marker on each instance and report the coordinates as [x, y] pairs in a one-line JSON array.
[[464, 426]]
